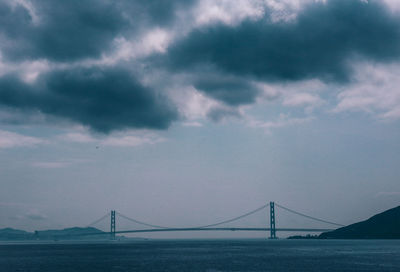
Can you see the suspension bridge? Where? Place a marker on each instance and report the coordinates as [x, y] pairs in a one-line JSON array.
[[272, 229]]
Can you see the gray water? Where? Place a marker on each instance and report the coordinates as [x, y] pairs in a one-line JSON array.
[[204, 255]]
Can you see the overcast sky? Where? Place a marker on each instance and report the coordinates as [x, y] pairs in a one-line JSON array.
[[182, 113]]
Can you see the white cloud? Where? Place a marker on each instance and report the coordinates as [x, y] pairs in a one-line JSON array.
[[306, 93], [301, 99], [155, 40], [122, 139], [269, 91], [192, 104], [226, 11], [375, 90], [78, 137], [232, 13], [30, 70], [27, 70], [10, 139], [131, 140], [284, 10], [28, 6], [393, 4]]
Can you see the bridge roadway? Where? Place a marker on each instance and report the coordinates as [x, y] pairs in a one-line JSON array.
[[63, 236], [219, 229], [186, 229]]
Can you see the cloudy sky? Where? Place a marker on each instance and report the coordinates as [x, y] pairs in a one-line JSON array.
[[182, 112]]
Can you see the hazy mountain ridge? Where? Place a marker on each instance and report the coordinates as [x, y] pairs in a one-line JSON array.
[[385, 225], [74, 233], [15, 234]]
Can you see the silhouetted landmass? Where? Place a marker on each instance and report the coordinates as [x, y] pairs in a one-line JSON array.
[[385, 225], [75, 233], [14, 234]]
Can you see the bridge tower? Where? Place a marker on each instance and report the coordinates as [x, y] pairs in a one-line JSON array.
[[112, 226], [272, 220]]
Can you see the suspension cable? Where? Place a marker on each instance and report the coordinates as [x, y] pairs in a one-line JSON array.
[[205, 226], [235, 218], [98, 220], [218, 223], [141, 223], [309, 217]]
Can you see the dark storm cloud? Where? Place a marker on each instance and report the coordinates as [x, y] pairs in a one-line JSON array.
[[76, 29], [157, 12], [233, 91], [65, 31], [68, 31], [102, 99], [320, 43]]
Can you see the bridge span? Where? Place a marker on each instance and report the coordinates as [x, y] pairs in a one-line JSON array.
[[272, 229], [220, 229]]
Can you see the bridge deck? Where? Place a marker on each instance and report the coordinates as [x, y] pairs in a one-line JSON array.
[[222, 229], [191, 229]]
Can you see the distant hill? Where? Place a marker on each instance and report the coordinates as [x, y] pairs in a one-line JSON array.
[[384, 225], [75, 233], [71, 233], [14, 234]]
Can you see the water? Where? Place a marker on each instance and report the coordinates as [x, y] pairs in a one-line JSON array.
[[204, 255]]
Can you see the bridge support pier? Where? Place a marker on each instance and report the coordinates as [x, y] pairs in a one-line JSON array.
[[272, 220], [112, 226]]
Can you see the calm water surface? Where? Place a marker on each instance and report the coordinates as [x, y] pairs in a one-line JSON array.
[[204, 255]]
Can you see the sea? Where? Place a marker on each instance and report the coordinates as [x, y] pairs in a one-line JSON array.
[[202, 255]]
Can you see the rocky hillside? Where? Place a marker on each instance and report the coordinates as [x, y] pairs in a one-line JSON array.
[[384, 225]]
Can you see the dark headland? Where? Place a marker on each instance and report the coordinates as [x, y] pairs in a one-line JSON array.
[[385, 225]]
